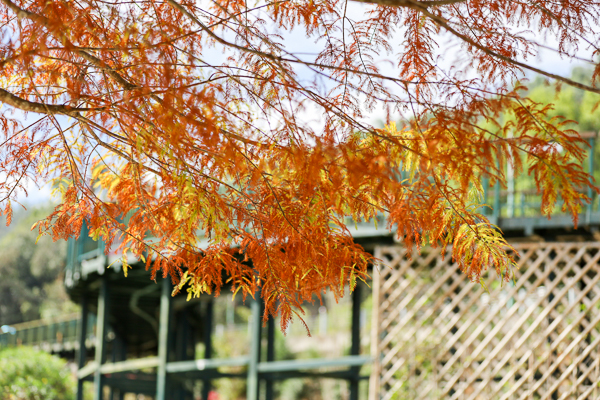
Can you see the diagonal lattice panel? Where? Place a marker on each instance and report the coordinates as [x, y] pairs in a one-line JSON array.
[[436, 335]]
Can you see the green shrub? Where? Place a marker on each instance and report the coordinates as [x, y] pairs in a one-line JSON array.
[[28, 374]]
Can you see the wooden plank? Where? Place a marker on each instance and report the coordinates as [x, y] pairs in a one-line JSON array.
[[465, 344], [547, 356], [554, 365], [374, 383], [475, 315], [579, 380], [573, 365]]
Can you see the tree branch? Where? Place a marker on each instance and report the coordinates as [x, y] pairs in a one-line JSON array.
[[411, 4], [444, 23], [41, 108], [422, 6], [21, 13]]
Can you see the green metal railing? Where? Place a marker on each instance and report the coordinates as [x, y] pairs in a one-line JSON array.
[[519, 205], [55, 334]]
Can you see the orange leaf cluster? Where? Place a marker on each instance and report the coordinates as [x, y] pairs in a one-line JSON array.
[[206, 119]]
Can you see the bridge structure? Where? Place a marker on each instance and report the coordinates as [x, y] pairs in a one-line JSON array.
[[54, 335], [146, 341], [132, 336]]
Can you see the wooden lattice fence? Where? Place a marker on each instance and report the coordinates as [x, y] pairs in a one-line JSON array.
[[436, 335]]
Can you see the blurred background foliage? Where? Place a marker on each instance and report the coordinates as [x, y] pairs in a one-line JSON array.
[[572, 104], [27, 374], [32, 275], [569, 102]]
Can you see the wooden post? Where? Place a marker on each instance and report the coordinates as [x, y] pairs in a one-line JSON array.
[[252, 380], [374, 379], [81, 352], [163, 334], [100, 335]]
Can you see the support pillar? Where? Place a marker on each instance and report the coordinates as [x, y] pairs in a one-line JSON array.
[[252, 380], [590, 192], [355, 341], [101, 328], [183, 346], [208, 325], [119, 353], [163, 339], [269, 393], [81, 353]]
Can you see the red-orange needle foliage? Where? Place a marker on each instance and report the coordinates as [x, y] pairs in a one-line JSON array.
[[212, 116]]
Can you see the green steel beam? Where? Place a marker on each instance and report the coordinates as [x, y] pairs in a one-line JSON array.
[[86, 372], [163, 335], [355, 339], [101, 325], [590, 192], [208, 327], [269, 393], [129, 365], [343, 374], [206, 364], [496, 211], [81, 353], [252, 376], [296, 365], [557, 222]]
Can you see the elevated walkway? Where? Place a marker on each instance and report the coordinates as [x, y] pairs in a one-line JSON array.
[[56, 335]]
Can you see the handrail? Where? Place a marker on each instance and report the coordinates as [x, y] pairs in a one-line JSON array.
[[45, 322], [524, 203], [58, 333]]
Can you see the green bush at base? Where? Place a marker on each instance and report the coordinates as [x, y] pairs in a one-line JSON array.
[[28, 374]]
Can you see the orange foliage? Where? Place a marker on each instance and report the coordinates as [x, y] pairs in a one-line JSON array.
[[204, 116]]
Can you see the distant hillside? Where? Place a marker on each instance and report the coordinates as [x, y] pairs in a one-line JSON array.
[[32, 274], [19, 214]]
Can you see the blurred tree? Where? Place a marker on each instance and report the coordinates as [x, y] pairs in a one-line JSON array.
[[31, 286], [570, 102], [27, 374]]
